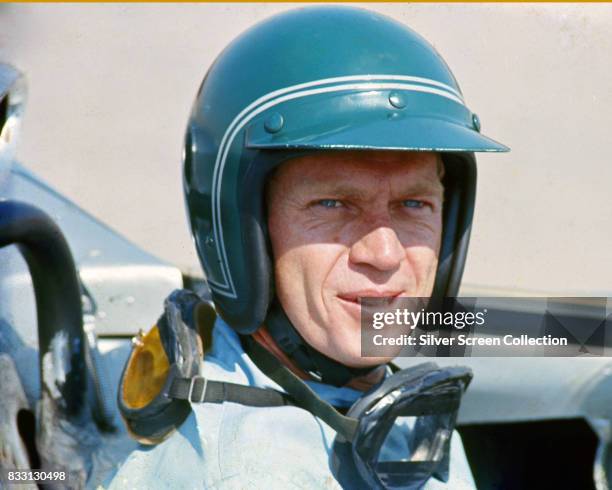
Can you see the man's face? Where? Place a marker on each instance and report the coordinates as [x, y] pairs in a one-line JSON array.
[[344, 225]]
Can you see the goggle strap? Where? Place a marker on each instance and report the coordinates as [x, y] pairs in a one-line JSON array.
[[303, 396], [202, 390]]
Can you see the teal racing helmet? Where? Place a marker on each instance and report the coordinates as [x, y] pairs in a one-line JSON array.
[[309, 80]]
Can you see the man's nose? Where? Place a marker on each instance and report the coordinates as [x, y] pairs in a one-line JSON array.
[[379, 248]]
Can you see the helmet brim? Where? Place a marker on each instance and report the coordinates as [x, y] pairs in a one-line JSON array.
[[403, 134]]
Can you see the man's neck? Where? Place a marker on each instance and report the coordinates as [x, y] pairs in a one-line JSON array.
[[360, 383]]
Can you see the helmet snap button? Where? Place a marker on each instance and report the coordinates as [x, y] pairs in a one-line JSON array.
[[476, 122], [210, 241], [274, 123], [397, 100]]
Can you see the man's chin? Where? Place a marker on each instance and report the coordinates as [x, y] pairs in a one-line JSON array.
[[344, 344]]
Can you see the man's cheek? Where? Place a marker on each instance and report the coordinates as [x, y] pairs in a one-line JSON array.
[[421, 236], [319, 259], [297, 277], [287, 276], [422, 259]]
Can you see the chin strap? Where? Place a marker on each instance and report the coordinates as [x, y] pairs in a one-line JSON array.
[[318, 365]]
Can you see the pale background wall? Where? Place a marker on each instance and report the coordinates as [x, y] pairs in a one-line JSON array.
[[111, 87]]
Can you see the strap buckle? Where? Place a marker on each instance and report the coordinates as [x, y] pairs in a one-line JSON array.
[[192, 386]]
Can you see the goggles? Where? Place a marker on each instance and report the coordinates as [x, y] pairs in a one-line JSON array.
[[411, 413], [404, 428], [162, 375]]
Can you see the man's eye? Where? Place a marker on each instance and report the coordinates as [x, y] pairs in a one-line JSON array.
[[413, 203], [329, 203]]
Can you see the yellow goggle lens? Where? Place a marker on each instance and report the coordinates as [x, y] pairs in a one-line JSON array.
[[146, 371]]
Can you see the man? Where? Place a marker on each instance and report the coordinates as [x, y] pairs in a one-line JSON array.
[[329, 157]]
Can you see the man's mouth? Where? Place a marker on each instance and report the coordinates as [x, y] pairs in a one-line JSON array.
[[383, 297], [378, 300]]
